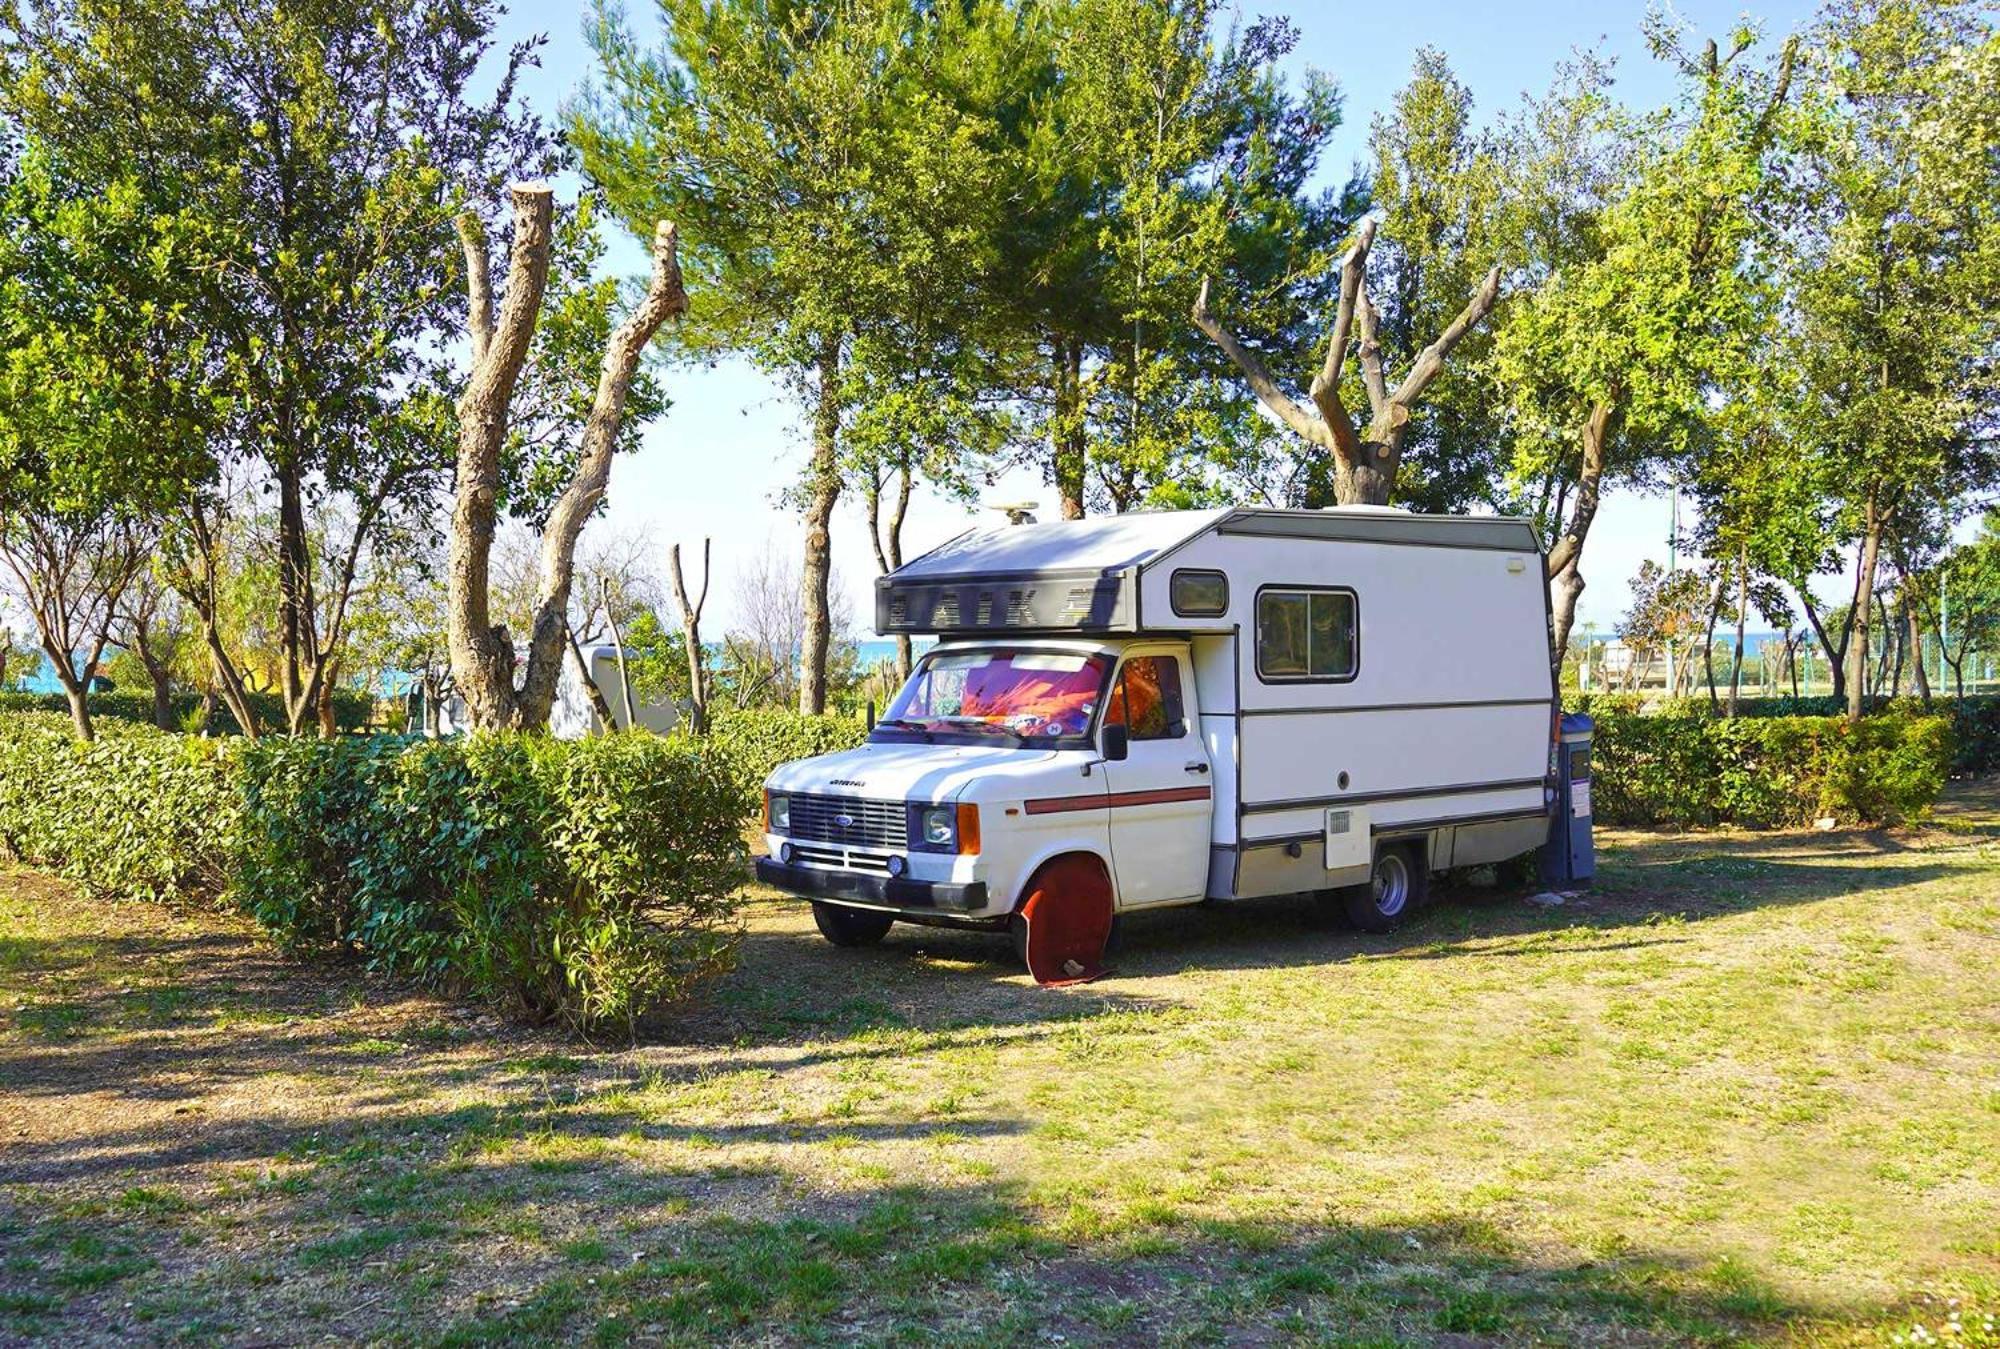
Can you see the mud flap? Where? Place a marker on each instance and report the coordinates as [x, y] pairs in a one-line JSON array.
[[1068, 916]]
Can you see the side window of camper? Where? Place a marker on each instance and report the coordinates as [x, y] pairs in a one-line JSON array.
[[1306, 634], [1147, 699]]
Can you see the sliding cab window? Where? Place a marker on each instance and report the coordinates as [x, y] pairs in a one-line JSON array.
[[1306, 635], [1146, 700]]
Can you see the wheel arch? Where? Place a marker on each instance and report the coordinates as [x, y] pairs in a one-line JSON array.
[[1044, 862]]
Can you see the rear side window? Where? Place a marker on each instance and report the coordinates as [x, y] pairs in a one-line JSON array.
[[1199, 594], [1306, 635], [1147, 699]]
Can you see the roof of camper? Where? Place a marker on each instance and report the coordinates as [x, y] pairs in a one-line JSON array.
[[1112, 543]]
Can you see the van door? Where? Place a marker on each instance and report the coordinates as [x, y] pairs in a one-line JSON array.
[[1161, 793]]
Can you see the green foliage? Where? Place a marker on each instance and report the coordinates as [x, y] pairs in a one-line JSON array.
[[1685, 769], [134, 814], [752, 743], [587, 882], [351, 710]]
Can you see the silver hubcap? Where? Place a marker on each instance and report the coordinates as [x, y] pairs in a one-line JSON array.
[[1391, 884]]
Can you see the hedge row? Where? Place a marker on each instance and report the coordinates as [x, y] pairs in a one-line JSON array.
[[351, 710], [589, 882], [1975, 721], [752, 743], [1684, 769]]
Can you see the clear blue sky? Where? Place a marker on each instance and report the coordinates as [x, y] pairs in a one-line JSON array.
[[716, 462]]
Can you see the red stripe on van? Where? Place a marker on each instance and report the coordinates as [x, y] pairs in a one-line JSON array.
[[1049, 805]]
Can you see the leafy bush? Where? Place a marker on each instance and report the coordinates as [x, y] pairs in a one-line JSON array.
[[752, 743], [351, 710], [1683, 768], [1975, 721], [589, 882], [135, 814]]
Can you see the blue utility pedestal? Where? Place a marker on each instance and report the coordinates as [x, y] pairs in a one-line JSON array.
[[1569, 858]]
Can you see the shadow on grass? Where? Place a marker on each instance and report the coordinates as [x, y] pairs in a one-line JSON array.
[[430, 1226]]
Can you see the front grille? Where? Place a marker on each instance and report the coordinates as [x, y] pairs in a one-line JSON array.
[[874, 824], [840, 859]]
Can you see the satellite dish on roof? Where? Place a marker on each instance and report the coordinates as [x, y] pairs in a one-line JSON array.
[[1018, 512]]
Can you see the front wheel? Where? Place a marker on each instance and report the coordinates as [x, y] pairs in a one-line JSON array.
[[844, 926], [1396, 885]]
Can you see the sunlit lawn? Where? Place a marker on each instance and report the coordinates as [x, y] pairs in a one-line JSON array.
[[1748, 1087]]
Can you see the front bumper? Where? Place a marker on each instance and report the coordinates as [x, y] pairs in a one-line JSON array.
[[883, 892]]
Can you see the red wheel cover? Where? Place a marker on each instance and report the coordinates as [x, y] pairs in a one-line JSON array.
[[1068, 913]]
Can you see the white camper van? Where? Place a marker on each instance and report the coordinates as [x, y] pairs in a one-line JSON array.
[[1193, 705]]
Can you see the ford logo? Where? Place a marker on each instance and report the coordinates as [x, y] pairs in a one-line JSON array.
[[844, 821]]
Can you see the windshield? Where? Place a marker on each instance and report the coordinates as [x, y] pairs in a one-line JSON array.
[[1029, 697]]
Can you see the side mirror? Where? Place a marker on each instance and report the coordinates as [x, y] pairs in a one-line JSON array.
[[1117, 743]]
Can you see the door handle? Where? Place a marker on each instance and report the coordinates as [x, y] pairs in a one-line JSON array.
[[1197, 767]]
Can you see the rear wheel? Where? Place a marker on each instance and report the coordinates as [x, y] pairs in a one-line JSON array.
[[844, 926], [1396, 885]]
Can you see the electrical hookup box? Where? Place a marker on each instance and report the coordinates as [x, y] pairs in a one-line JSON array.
[[1569, 857]]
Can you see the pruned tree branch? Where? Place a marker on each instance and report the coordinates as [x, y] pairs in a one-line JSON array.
[[1326, 385], [478, 283], [1268, 393], [1431, 360]]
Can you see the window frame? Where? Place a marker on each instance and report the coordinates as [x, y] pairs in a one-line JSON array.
[[1114, 689], [1173, 599], [1257, 627]]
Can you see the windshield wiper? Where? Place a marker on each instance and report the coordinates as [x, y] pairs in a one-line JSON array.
[[899, 724], [975, 724]]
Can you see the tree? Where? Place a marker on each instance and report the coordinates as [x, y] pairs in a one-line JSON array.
[[482, 653], [827, 161], [1896, 258], [1439, 187], [1643, 299], [1964, 600], [101, 417], [327, 146], [1665, 618]]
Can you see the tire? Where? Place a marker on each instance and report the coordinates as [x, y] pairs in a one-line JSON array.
[[1397, 885], [844, 926]]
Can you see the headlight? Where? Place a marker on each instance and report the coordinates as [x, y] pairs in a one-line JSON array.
[[778, 813], [947, 828]]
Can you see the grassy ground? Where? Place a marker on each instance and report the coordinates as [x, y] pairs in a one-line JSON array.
[[1746, 1088]]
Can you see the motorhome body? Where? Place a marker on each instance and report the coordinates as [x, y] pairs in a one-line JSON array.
[[1207, 705]]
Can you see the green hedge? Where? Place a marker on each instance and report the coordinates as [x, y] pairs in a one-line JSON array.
[[752, 743], [1683, 768], [1975, 721], [589, 882], [351, 710]]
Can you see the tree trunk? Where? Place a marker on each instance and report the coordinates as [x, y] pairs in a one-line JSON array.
[[1067, 435], [624, 672], [1915, 643], [1565, 558], [691, 636], [1836, 652], [79, 704], [329, 724], [1742, 615], [823, 484], [1708, 639], [1871, 548], [482, 656], [1564, 590], [159, 676], [598, 703], [294, 591]]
